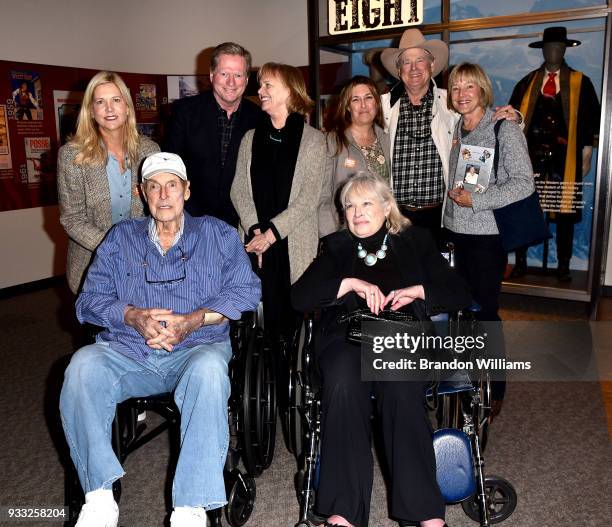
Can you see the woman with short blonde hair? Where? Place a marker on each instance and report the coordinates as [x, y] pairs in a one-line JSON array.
[[377, 263], [368, 183]]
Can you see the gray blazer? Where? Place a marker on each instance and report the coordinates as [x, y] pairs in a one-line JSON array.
[[298, 222], [514, 177], [85, 207], [337, 173]]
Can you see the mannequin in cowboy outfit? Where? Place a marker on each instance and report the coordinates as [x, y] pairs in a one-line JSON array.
[[561, 124]]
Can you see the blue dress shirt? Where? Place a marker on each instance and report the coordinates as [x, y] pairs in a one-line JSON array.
[[120, 187], [207, 268]]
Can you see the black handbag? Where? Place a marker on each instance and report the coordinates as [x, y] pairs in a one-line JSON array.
[[394, 322], [521, 223]]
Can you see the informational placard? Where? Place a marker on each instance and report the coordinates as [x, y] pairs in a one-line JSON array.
[[67, 105], [181, 86], [5, 142], [353, 16]]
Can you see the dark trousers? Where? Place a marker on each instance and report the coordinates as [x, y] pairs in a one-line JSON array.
[[346, 473], [481, 261], [565, 238], [428, 218]]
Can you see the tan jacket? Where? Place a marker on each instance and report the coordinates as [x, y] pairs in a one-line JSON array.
[[298, 222], [85, 207]]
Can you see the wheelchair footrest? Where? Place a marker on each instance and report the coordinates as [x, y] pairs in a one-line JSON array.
[[454, 466]]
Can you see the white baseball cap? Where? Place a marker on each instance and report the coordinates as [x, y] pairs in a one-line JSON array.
[[163, 162]]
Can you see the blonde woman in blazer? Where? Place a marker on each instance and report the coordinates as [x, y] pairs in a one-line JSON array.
[[93, 168], [276, 189]]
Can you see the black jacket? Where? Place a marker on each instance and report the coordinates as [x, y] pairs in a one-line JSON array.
[[192, 134], [421, 263]]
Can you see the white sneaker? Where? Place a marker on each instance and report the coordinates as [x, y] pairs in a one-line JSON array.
[[100, 510], [188, 517]]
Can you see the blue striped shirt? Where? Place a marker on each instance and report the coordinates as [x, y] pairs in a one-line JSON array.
[[206, 268]]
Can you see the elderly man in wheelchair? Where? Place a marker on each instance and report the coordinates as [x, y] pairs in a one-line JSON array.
[[381, 264], [164, 289]]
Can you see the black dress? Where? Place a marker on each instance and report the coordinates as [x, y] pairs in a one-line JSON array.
[[346, 473], [273, 162]]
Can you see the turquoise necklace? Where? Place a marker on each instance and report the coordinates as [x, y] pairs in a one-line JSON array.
[[370, 259]]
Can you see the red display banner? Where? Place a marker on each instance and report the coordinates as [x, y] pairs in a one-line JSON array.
[[39, 106]]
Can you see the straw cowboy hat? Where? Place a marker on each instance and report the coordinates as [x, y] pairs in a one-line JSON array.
[[413, 38], [555, 34]]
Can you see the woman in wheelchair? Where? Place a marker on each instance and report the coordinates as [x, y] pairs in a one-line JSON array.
[[383, 263]]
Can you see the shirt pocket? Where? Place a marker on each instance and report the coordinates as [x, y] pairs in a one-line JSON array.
[[205, 279]]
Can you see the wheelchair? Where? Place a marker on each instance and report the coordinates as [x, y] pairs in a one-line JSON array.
[[462, 407], [252, 425]]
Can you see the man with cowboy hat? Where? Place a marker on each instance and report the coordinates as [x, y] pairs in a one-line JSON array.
[[561, 112], [421, 127]]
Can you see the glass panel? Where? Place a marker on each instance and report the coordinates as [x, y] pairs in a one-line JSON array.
[[463, 9], [506, 61], [432, 11]]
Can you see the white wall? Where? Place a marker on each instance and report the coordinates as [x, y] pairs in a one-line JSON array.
[[141, 36], [150, 36]]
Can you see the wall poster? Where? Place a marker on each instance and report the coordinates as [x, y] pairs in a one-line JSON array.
[[39, 108]]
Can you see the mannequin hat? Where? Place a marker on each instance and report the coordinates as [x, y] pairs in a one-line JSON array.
[[413, 38], [555, 34]]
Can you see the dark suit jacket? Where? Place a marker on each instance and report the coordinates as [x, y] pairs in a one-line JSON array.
[[192, 134], [421, 263]]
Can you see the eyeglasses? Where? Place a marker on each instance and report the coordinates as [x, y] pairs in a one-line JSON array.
[[170, 272]]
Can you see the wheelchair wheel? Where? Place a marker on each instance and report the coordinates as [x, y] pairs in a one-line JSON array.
[[298, 364], [258, 406], [265, 407], [501, 500], [240, 498]]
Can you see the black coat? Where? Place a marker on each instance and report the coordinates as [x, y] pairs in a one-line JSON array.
[[192, 134], [421, 263]]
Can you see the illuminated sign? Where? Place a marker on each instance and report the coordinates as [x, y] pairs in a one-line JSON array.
[[351, 16]]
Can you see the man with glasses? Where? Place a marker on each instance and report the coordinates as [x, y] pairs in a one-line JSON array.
[[164, 289], [206, 130]]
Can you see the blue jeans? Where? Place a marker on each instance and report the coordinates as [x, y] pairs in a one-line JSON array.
[[98, 378]]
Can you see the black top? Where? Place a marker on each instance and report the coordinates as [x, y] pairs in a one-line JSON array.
[[419, 262], [273, 162], [385, 273]]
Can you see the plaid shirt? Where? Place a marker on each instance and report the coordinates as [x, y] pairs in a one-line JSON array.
[[417, 168], [225, 126]]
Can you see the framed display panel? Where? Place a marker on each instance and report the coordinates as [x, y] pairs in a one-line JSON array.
[[497, 36], [505, 55]]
